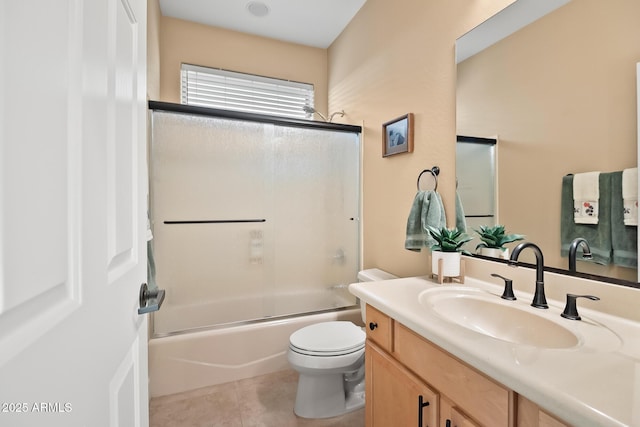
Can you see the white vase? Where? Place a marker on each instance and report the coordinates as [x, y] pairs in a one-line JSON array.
[[450, 263], [495, 252]]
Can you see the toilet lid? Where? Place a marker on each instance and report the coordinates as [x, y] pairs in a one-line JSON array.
[[329, 338]]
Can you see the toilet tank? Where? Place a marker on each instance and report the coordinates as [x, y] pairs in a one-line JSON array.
[[372, 275]]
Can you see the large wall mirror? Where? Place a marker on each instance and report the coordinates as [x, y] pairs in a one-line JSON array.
[[560, 97]]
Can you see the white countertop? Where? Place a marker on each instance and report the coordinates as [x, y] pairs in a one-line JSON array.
[[596, 383]]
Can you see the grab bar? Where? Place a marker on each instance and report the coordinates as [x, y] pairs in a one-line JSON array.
[[215, 221]]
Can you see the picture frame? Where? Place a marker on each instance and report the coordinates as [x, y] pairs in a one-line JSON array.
[[397, 136]]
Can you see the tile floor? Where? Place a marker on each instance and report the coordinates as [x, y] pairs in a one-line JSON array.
[[264, 401]]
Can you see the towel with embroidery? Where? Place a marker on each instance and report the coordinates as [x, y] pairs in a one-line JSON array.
[[586, 195]]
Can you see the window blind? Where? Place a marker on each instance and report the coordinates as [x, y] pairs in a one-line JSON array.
[[215, 88]]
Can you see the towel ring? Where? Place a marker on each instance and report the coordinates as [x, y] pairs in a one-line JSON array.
[[434, 171]]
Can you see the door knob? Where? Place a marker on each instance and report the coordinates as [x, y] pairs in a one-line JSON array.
[[150, 299]]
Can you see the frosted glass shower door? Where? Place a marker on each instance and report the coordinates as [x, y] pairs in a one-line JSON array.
[[251, 220], [211, 191], [316, 224]]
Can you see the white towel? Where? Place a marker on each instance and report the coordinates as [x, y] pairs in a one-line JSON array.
[[586, 193], [630, 196]]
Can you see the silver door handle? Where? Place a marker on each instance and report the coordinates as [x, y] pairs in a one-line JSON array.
[[150, 300]]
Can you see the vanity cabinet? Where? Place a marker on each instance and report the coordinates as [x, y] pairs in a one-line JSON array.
[[398, 398], [404, 372], [450, 416], [530, 415], [379, 328]]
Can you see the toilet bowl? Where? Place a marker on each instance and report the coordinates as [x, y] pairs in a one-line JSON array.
[[329, 358]]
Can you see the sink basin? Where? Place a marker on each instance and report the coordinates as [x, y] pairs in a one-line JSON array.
[[488, 314]]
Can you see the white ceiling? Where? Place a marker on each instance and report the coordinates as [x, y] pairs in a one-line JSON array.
[[314, 23]]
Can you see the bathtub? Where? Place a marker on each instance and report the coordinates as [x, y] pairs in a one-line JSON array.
[[192, 360], [180, 317]]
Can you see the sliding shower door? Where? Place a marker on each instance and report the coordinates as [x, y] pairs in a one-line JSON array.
[[251, 220]]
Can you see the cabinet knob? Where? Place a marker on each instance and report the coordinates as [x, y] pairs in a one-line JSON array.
[[372, 325]]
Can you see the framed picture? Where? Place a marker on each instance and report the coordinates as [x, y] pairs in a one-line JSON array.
[[397, 136]]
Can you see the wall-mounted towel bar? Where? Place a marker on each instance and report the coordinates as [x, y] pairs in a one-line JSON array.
[[215, 221], [434, 171]]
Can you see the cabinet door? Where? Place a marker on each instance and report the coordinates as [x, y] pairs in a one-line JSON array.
[[547, 420], [450, 416], [478, 395], [530, 415], [394, 396]]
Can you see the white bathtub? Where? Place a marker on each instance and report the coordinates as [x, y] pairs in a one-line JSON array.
[[180, 317], [198, 359]]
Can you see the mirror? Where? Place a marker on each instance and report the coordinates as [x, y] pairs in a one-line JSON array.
[[559, 95]]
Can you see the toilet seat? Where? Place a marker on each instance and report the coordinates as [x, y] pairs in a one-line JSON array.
[[328, 339]]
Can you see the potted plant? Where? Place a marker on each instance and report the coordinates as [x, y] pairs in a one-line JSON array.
[[448, 247], [493, 240]]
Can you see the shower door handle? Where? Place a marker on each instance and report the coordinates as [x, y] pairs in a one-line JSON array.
[[150, 300]]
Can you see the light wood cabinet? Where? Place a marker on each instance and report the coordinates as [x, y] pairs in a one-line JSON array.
[[530, 415], [477, 395], [404, 372], [450, 416], [379, 328], [395, 396]]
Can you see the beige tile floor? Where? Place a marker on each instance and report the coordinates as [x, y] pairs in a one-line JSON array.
[[264, 401]]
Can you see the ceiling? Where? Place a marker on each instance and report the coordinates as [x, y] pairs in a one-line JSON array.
[[314, 23]]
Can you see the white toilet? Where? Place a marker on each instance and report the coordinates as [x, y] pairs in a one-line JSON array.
[[329, 358]]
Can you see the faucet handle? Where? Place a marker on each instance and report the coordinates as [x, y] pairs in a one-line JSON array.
[[570, 309], [508, 288]]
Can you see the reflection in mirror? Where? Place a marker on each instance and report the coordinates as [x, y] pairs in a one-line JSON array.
[[560, 96], [476, 181]]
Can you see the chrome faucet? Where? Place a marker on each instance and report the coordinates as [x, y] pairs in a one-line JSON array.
[[586, 252], [539, 299]]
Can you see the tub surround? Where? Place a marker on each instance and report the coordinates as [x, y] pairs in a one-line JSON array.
[[594, 384]]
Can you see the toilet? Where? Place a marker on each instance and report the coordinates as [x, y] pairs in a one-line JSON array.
[[329, 357]]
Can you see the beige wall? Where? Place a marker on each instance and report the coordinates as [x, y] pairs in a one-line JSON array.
[[560, 95], [394, 58], [153, 49], [187, 42]]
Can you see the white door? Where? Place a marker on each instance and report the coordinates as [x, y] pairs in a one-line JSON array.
[[72, 212]]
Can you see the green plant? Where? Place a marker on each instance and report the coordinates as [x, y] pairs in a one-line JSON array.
[[495, 237], [449, 240]]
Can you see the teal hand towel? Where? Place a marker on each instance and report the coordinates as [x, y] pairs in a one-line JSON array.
[[461, 221], [624, 238], [598, 235], [427, 210]]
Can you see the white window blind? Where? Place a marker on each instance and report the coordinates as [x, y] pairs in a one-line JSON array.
[[214, 88]]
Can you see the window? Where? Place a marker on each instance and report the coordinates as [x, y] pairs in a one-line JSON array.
[[215, 88]]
